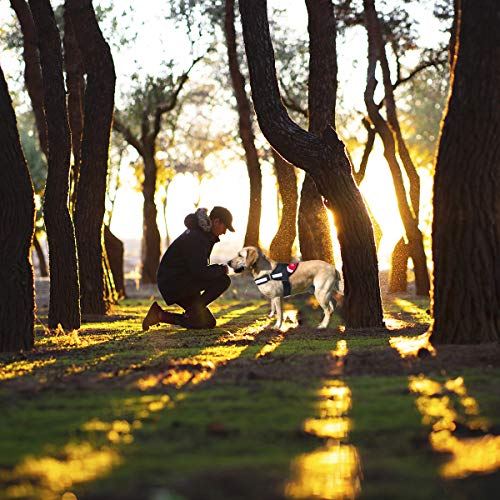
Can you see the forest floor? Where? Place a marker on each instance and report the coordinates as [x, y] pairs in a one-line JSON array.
[[247, 412]]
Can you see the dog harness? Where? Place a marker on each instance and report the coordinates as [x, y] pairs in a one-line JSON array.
[[281, 272]]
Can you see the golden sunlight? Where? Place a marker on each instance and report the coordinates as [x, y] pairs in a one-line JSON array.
[[334, 471], [410, 346], [468, 455], [81, 462]]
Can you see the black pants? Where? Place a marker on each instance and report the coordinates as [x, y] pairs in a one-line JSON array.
[[196, 300]]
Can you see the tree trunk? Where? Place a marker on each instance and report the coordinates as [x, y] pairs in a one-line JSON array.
[[466, 225], [32, 72], [245, 130], [41, 257], [99, 103], [325, 159], [415, 247], [17, 223], [408, 216], [114, 251], [64, 305], [151, 235], [75, 82], [399, 268], [314, 226], [282, 244]]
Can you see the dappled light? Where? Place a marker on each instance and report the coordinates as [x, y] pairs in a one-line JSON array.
[[330, 473], [21, 368], [411, 346], [202, 366], [448, 408], [46, 475], [333, 471], [83, 461]]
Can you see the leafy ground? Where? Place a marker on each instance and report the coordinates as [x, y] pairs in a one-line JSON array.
[[244, 411]]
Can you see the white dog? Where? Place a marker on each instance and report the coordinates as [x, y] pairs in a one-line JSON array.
[[276, 281]]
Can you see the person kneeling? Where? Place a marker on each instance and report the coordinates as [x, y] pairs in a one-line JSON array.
[[184, 276]]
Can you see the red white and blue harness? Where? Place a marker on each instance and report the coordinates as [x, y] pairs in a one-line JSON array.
[[281, 272]]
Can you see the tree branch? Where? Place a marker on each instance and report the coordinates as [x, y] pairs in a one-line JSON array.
[[127, 134], [163, 108]]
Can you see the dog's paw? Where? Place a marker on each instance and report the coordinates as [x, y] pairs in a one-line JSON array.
[[276, 326], [271, 315]]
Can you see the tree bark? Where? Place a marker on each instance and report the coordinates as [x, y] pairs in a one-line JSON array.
[[32, 72], [245, 130], [17, 223], [115, 251], [281, 246], [408, 216], [64, 305], [399, 268], [41, 257], [151, 235], [75, 82], [314, 227], [98, 118], [466, 225], [325, 159]]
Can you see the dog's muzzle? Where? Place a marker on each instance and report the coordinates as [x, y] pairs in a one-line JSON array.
[[239, 270]]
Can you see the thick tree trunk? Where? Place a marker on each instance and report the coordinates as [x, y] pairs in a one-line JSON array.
[[245, 130], [17, 222], [466, 225], [75, 82], [314, 226], [399, 268], [114, 251], [64, 305], [408, 216], [32, 71], [41, 257], [151, 235], [325, 159], [280, 249], [99, 104]]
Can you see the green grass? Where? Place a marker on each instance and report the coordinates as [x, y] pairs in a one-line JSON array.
[[114, 412]]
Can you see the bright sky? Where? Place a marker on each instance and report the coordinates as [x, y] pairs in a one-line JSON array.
[[158, 41]]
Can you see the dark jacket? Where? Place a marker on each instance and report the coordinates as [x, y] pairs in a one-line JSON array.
[[186, 261]]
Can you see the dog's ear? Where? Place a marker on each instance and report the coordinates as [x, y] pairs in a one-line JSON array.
[[252, 257]]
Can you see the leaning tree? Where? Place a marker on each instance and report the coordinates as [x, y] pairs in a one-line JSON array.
[[466, 225], [17, 222], [325, 159]]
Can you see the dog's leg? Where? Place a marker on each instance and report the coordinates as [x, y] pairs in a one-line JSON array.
[[324, 300], [278, 305], [273, 309]]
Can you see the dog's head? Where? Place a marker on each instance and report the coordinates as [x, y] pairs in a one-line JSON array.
[[247, 257]]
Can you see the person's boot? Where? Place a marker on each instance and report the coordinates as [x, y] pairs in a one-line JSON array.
[[153, 317]]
